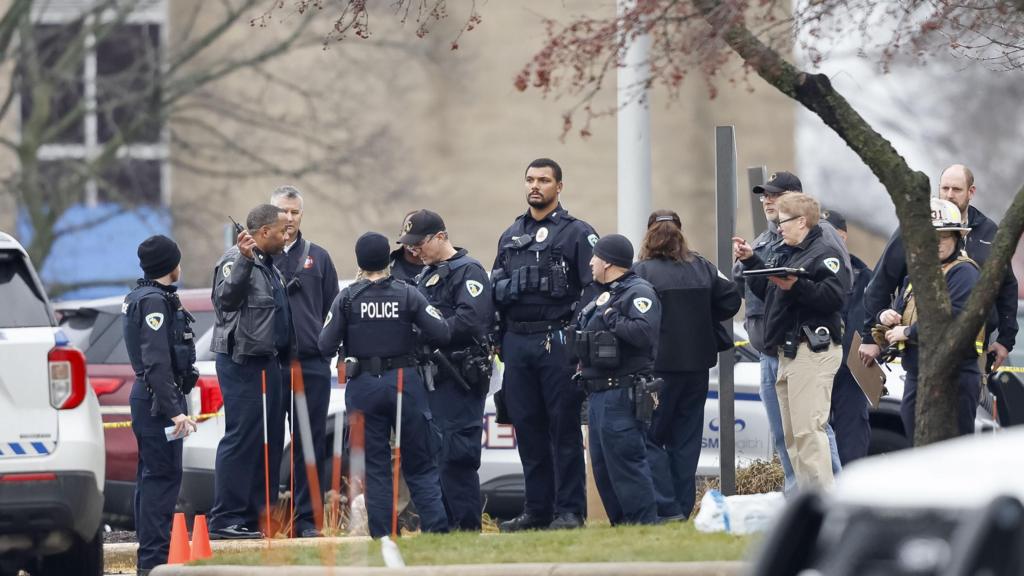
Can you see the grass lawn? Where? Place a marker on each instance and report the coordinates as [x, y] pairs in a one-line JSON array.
[[677, 542]]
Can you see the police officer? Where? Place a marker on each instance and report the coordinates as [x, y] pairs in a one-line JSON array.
[[459, 287], [312, 285], [539, 276], [252, 335], [803, 326], [615, 340], [161, 349], [405, 264], [374, 322]]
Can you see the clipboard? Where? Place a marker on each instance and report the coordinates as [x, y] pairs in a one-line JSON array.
[[871, 379], [781, 272]]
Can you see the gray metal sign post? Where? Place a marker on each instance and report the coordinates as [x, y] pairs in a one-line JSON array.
[[725, 191], [757, 175]]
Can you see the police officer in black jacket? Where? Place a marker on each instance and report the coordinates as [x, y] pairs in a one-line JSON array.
[[539, 277], [161, 349], [312, 285], [405, 265], [616, 341], [694, 296], [459, 287], [252, 336], [957, 186], [374, 321], [803, 323]]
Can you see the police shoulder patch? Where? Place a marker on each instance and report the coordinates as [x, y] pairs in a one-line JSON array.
[[474, 288], [642, 304], [155, 320], [124, 308], [226, 269], [832, 264], [592, 239], [603, 298], [330, 316], [434, 312]]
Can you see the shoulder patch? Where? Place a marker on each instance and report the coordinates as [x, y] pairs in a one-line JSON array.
[[642, 304], [434, 312], [226, 269], [330, 316], [603, 298], [832, 264], [474, 288], [155, 320], [720, 275], [592, 239], [124, 308]]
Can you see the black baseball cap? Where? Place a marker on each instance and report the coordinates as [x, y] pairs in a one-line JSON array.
[[778, 183], [836, 219], [419, 225]]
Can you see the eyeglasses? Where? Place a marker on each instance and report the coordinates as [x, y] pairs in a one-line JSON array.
[[791, 218], [419, 245]]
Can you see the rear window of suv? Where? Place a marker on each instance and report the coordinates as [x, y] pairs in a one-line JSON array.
[[24, 304]]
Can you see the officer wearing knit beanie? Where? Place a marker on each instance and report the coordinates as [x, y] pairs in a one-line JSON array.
[[615, 249], [373, 252], [158, 256]]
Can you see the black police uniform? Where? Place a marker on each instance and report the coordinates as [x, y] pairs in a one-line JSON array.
[[374, 322], [460, 288], [616, 342], [850, 419], [252, 337], [402, 269], [694, 297], [539, 275], [312, 284], [161, 349]]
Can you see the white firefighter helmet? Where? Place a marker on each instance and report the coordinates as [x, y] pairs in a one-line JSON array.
[[946, 217]]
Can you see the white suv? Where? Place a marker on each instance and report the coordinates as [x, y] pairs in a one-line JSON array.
[[51, 436]]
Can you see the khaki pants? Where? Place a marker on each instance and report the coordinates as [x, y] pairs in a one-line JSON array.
[[804, 387]]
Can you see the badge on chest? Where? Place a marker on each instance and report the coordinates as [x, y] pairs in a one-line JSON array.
[[378, 310]]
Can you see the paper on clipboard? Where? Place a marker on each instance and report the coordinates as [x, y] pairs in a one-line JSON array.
[[871, 379]]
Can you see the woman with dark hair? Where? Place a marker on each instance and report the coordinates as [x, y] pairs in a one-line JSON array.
[[694, 296]]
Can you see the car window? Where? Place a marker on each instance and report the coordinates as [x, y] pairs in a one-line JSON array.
[[24, 304], [92, 331], [204, 322]]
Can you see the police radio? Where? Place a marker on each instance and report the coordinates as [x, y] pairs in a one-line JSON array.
[[238, 227]]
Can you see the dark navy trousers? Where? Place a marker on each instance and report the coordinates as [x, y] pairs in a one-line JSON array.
[[850, 419], [619, 458], [967, 396], [316, 379], [544, 405], [459, 414], [156, 483], [674, 440], [239, 495], [374, 397]]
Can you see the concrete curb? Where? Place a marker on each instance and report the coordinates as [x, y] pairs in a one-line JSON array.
[[594, 569]]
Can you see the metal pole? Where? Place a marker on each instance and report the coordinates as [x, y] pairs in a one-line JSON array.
[[725, 188], [757, 175], [634, 137]]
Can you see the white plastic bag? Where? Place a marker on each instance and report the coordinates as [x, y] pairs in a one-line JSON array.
[[737, 514]]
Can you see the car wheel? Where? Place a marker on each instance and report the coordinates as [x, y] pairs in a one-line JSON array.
[[883, 441], [83, 558]]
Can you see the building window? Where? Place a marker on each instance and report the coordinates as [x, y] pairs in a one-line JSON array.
[[104, 68]]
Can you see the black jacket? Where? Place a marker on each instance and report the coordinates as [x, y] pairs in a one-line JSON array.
[[402, 269], [892, 268], [460, 289], [243, 298], [814, 301], [149, 320], [694, 295], [311, 296], [629, 309]]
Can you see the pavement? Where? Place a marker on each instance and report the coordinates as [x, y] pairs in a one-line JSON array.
[[581, 569]]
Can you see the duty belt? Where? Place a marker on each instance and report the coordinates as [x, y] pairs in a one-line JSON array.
[[592, 385], [535, 327], [376, 365]]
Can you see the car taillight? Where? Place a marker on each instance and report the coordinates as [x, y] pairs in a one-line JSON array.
[[30, 477], [210, 398], [103, 386], [67, 377]]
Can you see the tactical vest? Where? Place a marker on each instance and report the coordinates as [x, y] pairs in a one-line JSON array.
[[535, 270], [439, 292], [379, 319], [181, 338], [598, 349]]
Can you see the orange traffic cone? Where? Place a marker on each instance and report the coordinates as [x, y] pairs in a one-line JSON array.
[[179, 553], [200, 539]]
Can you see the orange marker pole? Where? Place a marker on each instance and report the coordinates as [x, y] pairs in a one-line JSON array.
[[306, 433], [397, 460], [291, 454], [339, 430], [266, 456]]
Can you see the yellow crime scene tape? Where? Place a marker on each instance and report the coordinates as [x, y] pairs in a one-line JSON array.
[[128, 423]]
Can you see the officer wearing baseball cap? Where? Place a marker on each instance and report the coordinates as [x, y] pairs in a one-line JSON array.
[[374, 321], [458, 286], [161, 349], [615, 340]]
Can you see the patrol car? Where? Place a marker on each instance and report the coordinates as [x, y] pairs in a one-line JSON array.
[[51, 440]]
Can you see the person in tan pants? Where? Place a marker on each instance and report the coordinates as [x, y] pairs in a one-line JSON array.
[[803, 284]]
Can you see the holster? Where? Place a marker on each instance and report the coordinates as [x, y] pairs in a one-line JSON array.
[[817, 341], [501, 415]]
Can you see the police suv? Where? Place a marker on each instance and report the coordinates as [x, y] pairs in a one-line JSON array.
[[51, 437]]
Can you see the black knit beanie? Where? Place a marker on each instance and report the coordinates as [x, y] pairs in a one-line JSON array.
[[615, 249], [158, 256], [373, 252]]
